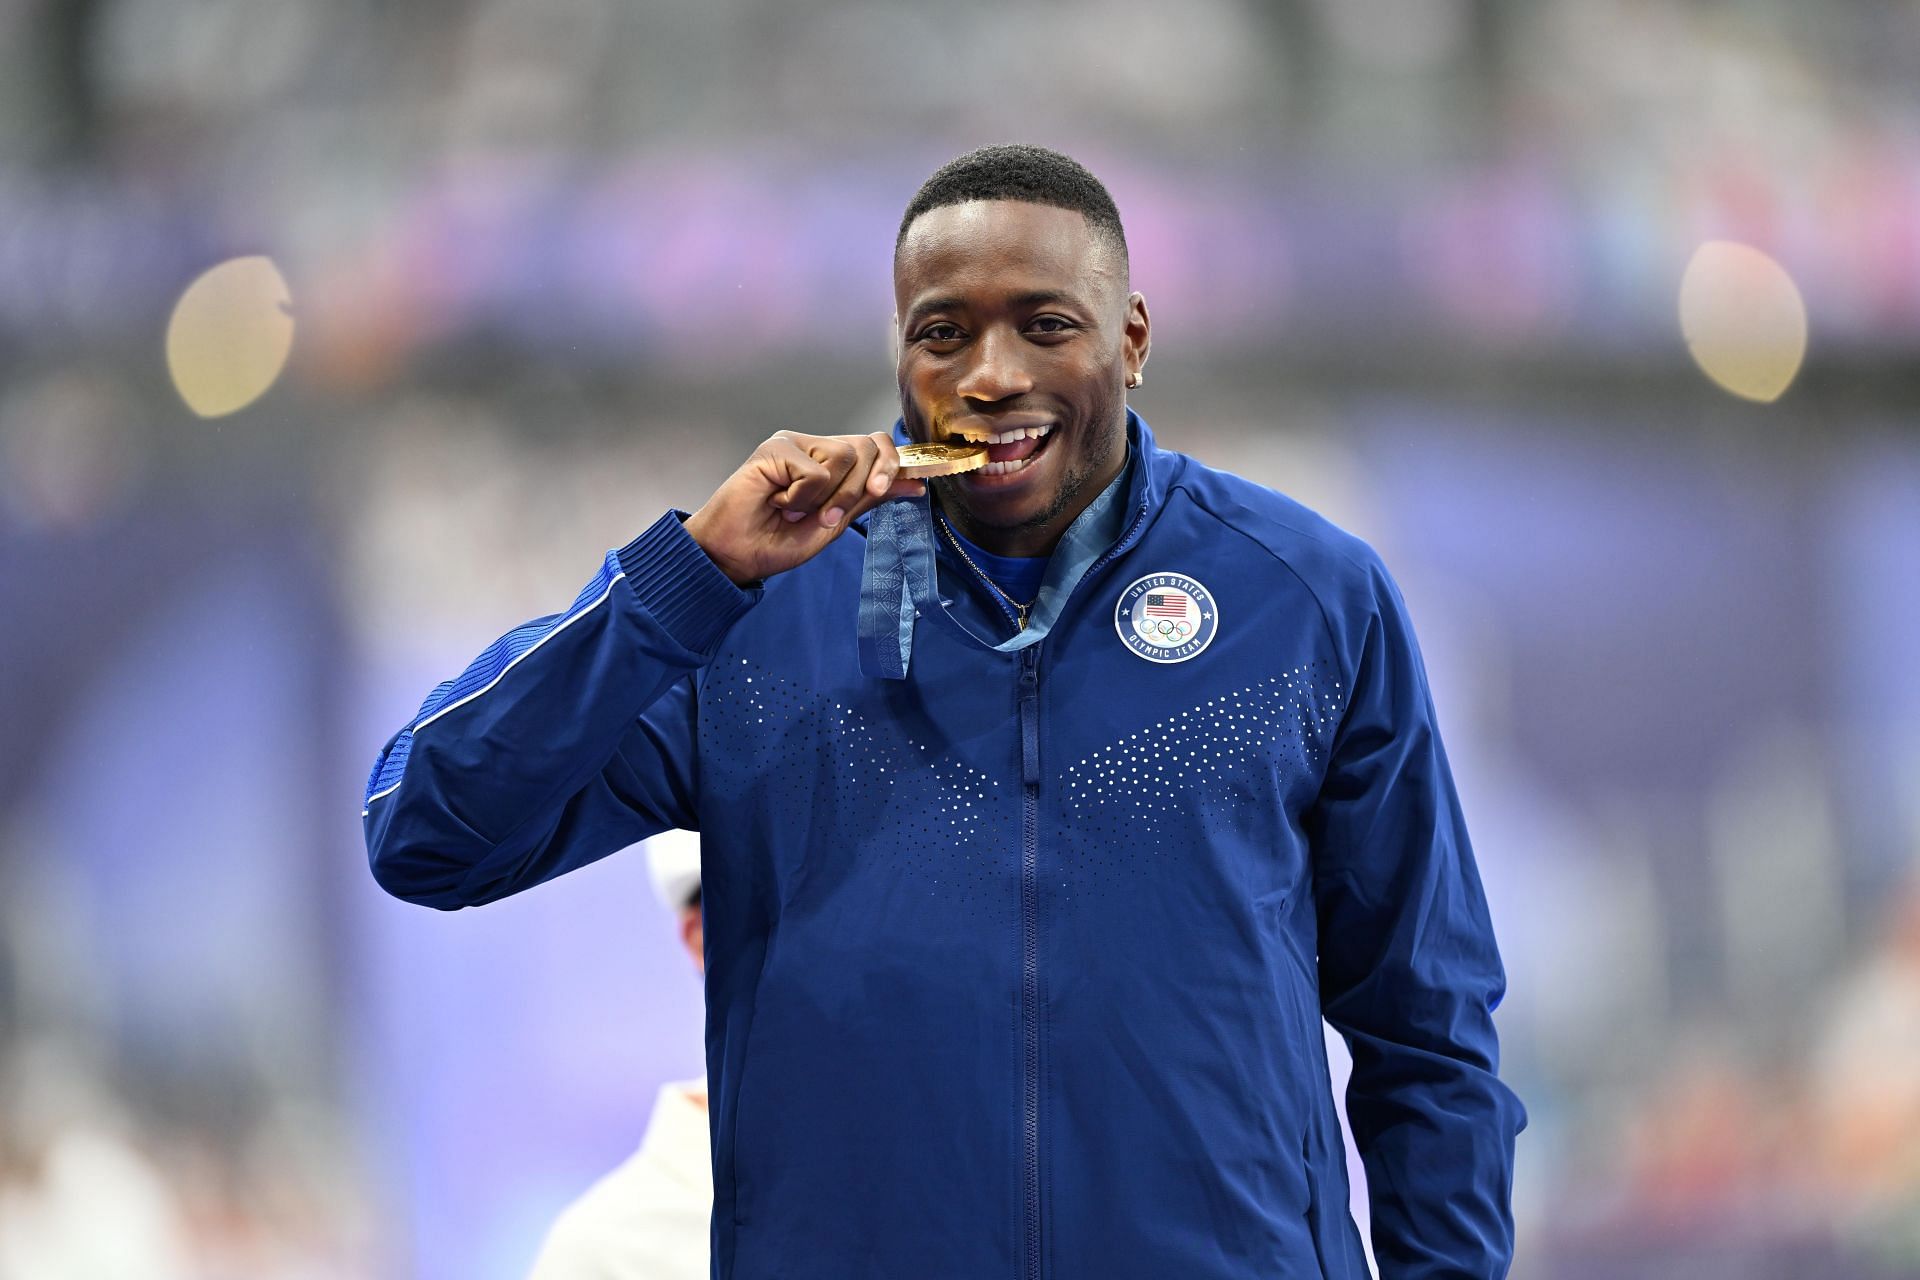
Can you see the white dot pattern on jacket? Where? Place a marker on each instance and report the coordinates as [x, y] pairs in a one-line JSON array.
[[1215, 765], [942, 827]]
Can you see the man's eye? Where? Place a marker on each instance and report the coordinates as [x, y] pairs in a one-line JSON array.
[[1050, 324], [940, 333]]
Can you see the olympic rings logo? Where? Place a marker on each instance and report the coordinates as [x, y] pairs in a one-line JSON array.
[[1165, 629]]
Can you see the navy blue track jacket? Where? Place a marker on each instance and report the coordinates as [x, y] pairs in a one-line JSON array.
[[1016, 965]]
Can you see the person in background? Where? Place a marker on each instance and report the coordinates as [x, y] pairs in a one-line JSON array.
[[648, 1218]]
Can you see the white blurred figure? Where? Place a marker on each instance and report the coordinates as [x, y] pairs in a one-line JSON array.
[[85, 1204], [1866, 1091], [648, 1219]]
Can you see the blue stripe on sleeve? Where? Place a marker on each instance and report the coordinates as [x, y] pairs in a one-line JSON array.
[[386, 773], [486, 671]]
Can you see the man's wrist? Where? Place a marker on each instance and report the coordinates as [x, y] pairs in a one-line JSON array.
[[696, 528], [676, 581]]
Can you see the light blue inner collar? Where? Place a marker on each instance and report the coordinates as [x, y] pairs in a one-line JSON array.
[[901, 575]]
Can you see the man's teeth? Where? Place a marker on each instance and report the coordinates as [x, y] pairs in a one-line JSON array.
[[1002, 468], [1008, 437]]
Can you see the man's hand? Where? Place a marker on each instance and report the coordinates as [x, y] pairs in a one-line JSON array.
[[794, 496]]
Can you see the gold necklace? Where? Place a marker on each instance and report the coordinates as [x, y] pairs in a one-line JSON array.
[[1020, 609]]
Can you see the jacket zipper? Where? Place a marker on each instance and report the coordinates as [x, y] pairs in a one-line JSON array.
[[1030, 946], [1030, 909], [1030, 906]]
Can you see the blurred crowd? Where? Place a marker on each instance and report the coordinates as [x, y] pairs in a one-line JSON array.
[[1802, 1161], [556, 264], [98, 1181]]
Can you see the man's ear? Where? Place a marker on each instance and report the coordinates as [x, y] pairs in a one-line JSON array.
[[1139, 332], [893, 340]]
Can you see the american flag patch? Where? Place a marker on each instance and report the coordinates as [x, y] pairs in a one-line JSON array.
[[1166, 617], [1166, 604]]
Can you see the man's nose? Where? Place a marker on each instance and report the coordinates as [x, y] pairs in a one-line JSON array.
[[998, 369]]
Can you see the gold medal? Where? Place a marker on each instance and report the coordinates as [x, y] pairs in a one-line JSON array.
[[919, 461]]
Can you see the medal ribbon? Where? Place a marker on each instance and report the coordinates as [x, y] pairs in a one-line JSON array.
[[898, 562]]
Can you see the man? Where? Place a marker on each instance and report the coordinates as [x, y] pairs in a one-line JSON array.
[[1042, 820], [647, 1220]]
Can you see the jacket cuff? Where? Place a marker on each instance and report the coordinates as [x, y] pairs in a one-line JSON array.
[[679, 585]]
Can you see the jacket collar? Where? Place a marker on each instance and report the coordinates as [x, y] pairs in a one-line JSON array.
[[900, 577]]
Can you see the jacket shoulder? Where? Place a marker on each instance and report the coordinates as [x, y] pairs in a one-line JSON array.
[[1337, 566]]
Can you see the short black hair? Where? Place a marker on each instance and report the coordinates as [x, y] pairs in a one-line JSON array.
[[1018, 171]]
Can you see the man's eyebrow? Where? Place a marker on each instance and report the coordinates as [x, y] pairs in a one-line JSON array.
[[934, 304], [1045, 298], [1019, 301]]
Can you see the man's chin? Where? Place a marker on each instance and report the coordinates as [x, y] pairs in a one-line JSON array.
[[1008, 509], [1007, 500]]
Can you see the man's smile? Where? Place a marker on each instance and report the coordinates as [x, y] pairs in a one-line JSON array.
[[1013, 441]]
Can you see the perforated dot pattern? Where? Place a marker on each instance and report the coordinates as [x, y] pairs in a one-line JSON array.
[[901, 806], [1216, 766]]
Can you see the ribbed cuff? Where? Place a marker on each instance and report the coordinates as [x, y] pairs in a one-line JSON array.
[[680, 585]]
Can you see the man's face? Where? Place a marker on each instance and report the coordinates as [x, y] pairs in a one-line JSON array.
[[1015, 317]]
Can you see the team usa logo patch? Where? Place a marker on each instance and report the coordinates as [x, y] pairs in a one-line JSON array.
[[1166, 617]]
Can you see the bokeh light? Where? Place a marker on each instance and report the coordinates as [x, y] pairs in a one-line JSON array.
[[230, 335], [1743, 320]]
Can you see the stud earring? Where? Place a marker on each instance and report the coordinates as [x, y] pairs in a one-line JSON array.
[[1135, 379]]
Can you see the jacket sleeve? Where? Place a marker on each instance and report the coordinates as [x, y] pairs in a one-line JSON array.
[[1410, 975], [568, 738]]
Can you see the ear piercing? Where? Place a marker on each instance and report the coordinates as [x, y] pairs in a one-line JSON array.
[[1135, 379]]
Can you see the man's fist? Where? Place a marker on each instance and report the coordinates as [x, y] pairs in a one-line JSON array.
[[794, 496]]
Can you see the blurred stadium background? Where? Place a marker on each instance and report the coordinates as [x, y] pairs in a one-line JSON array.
[[1599, 318]]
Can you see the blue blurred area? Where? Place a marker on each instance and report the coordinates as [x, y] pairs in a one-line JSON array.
[[556, 266]]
